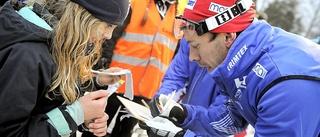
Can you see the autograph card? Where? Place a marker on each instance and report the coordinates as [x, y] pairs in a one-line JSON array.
[[122, 72]]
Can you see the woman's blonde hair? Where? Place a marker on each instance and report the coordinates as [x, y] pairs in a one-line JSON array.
[[69, 48]]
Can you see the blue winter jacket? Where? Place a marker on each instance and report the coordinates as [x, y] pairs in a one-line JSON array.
[[201, 93], [273, 79]]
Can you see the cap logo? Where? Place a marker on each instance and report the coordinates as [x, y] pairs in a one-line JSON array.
[[217, 8], [190, 4]]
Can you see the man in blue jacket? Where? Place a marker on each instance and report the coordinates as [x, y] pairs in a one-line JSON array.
[[271, 76], [194, 86]]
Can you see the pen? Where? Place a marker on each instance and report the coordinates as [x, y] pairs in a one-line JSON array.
[[144, 103]]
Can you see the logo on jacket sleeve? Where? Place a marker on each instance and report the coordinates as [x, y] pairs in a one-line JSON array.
[[240, 85], [260, 70]]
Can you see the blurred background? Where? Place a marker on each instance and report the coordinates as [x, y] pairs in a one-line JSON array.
[[298, 16]]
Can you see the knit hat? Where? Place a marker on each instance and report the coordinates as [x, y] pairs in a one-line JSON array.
[[198, 10], [111, 11]]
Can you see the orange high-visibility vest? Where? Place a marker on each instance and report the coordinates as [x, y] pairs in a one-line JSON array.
[[146, 50]]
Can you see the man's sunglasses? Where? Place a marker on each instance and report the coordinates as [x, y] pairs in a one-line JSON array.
[[189, 26]]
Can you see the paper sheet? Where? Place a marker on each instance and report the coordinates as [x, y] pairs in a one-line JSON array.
[[140, 112], [129, 86], [129, 82], [121, 72]]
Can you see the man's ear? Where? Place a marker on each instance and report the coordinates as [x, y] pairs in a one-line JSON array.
[[230, 38]]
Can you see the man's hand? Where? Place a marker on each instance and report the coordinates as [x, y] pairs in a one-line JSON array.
[[166, 106], [154, 106], [98, 126], [94, 104], [162, 127]]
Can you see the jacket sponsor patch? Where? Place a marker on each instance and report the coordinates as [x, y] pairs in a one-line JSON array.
[[260, 70]]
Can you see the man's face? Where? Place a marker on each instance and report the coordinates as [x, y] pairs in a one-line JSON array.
[[205, 51]]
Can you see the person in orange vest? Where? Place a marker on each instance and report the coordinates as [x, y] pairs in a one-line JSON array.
[[145, 45]]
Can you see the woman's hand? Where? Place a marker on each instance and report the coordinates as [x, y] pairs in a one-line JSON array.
[[94, 104], [98, 126], [108, 79]]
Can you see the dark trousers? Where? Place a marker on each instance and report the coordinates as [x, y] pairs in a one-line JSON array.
[[124, 124]]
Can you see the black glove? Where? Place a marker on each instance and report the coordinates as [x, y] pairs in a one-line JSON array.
[[162, 127], [153, 105], [144, 126], [158, 106]]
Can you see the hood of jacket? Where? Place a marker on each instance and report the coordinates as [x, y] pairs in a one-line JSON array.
[[14, 28]]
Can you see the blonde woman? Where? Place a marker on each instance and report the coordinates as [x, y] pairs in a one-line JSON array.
[[46, 53]]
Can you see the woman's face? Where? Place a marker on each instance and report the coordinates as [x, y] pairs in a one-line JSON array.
[[102, 32]]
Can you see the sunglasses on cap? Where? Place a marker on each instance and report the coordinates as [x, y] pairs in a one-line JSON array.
[[189, 26]]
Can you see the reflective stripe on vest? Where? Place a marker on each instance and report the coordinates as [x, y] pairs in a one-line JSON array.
[[140, 62], [148, 39]]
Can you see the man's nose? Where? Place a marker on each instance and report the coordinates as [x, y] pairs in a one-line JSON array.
[[193, 56]]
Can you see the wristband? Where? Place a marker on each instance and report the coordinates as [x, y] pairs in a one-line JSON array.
[[97, 81], [84, 127]]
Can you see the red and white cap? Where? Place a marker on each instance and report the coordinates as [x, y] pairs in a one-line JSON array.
[[221, 15]]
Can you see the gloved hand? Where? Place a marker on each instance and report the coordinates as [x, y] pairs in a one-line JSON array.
[[144, 126], [164, 105], [162, 127], [156, 105]]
